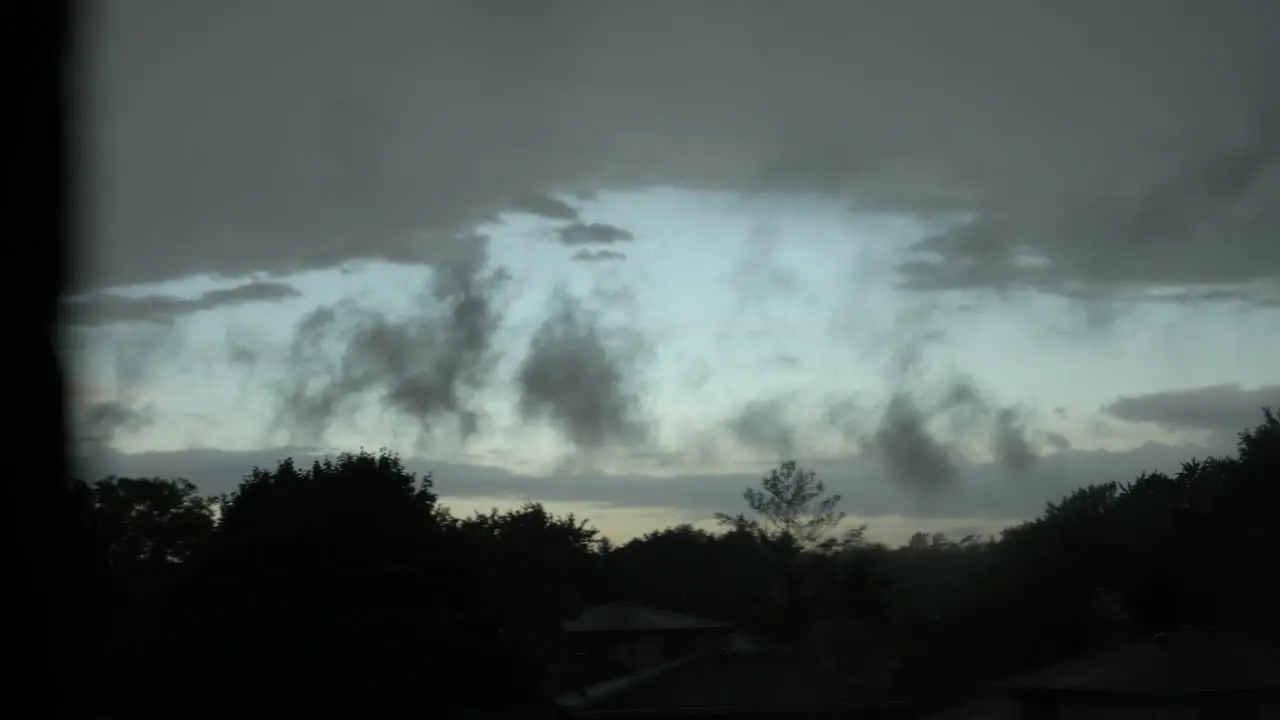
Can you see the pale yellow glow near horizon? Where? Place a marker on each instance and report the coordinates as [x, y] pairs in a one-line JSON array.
[[621, 524]]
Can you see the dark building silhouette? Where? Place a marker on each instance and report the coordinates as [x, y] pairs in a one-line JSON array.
[[1188, 674], [618, 640], [635, 661]]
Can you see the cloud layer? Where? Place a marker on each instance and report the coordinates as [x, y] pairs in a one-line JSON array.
[[1087, 146]]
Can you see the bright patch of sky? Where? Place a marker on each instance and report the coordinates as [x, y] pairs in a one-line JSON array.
[[739, 298]]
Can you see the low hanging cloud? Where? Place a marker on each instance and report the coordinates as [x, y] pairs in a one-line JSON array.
[[593, 234], [1010, 445], [909, 451], [1057, 441], [763, 424], [580, 376], [981, 489], [112, 402], [425, 366], [928, 427], [545, 206], [1219, 409], [97, 426], [920, 437], [596, 256], [110, 308]]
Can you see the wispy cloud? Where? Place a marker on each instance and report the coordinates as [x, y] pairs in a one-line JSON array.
[[593, 234], [594, 256], [109, 308]]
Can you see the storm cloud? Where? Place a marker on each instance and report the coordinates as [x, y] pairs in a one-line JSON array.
[[1223, 409], [99, 424], [579, 376], [426, 365], [763, 424], [1082, 155], [1079, 146]]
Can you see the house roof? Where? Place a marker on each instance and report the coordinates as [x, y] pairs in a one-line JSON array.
[[593, 694], [631, 617], [734, 683], [1187, 660]]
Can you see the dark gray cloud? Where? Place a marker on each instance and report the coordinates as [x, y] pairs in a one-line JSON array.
[[921, 437], [978, 491], [1094, 144], [580, 376], [545, 206], [763, 424], [425, 365], [99, 425], [108, 308], [1058, 441], [1108, 242], [922, 433], [593, 234], [909, 451], [594, 256], [1010, 444], [1221, 409], [429, 364]]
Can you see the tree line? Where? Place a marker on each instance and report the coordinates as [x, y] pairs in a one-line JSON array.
[[347, 584]]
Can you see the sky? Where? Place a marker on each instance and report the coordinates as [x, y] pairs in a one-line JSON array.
[[622, 258]]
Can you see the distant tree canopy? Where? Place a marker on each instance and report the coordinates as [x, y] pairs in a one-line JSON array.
[[150, 521], [346, 584]]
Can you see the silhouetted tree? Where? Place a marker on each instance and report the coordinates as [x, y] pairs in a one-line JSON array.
[[333, 586], [792, 511], [347, 586], [536, 571], [146, 530], [693, 571], [794, 524], [150, 521], [1110, 561]]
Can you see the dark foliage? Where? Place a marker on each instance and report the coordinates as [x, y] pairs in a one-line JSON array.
[[346, 586]]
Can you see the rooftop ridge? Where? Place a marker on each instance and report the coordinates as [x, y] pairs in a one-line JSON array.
[[606, 688], [629, 617]]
